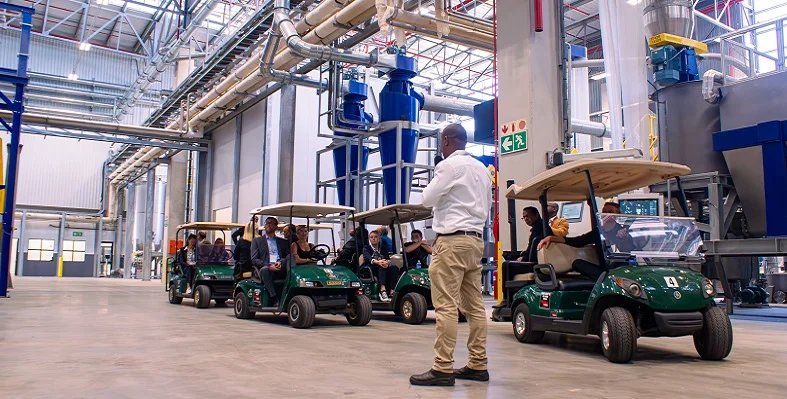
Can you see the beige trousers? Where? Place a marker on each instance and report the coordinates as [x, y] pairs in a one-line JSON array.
[[455, 273]]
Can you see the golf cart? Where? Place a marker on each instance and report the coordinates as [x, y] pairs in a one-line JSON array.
[[412, 296], [213, 273], [307, 289], [647, 287]]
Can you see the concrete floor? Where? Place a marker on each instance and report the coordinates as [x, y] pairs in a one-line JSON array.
[[108, 338]]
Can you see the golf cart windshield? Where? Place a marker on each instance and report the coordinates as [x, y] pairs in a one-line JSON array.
[[215, 254], [651, 239]]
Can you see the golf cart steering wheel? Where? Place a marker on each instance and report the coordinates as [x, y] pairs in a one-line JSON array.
[[320, 252]]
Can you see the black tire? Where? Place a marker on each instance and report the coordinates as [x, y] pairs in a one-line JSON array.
[[202, 296], [301, 311], [173, 297], [221, 302], [714, 341], [242, 307], [780, 297], [618, 335], [359, 310], [413, 308], [521, 321]]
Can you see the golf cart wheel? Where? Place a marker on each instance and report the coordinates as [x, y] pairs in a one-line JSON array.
[[780, 297], [300, 312], [221, 302], [714, 341], [173, 296], [413, 308], [618, 335], [359, 310], [522, 323], [242, 307], [202, 296]]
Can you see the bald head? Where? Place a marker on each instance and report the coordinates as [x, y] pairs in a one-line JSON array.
[[454, 138], [552, 209]]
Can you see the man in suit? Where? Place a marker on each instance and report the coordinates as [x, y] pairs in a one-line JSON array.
[[267, 252]]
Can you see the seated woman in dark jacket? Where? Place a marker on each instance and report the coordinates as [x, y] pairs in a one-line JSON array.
[[376, 255]]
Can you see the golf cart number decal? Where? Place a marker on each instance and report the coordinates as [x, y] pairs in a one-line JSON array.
[[335, 282], [672, 282]]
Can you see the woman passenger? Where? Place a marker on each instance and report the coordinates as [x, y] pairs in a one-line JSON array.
[[376, 255], [302, 248], [219, 252], [242, 254]]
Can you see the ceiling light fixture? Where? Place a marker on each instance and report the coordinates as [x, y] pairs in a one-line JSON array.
[[73, 76], [599, 76], [85, 46]]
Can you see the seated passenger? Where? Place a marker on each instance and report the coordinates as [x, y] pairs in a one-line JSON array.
[[533, 219], [558, 225], [219, 253], [376, 255], [620, 238], [289, 233], [301, 249], [267, 252], [417, 250], [242, 255], [187, 260], [348, 255], [204, 245]]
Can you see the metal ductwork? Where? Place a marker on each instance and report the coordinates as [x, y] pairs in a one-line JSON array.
[[591, 128], [447, 105], [668, 16]]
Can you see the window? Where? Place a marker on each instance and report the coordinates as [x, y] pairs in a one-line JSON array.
[[40, 250], [73, 251]]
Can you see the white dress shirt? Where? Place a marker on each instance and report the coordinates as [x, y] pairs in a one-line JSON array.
[[460, 194]]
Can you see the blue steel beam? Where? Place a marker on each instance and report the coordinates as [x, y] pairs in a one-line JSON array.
[[19, 79]]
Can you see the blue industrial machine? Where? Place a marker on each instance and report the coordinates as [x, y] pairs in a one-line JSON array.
[[352, 116], [674, 58], [399, 102]]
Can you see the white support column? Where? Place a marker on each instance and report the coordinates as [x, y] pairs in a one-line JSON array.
[[529, 87]]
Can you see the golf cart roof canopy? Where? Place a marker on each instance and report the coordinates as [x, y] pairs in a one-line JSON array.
[[311, 226], [301, 210], [405, 213], [209, 226], [610, 177]]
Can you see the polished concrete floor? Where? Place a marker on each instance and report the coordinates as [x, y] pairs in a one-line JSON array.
[[88, 338]]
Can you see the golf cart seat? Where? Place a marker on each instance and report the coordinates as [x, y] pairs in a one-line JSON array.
[[398, 261], [555, 271], [246, 275], [562, 256], [517, 275]]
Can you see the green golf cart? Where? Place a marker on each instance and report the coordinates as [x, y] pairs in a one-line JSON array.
[[307, 289], [213, 273], [648, 287], [412, 296]]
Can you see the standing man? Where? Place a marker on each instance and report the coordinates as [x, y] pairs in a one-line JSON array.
[[461, 197], [267, 251]]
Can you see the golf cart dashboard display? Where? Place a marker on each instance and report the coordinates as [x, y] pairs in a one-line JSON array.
[[651, 236], [572, 211], [640, 207]]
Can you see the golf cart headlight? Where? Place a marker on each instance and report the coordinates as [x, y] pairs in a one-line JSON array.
[[355, 284], [707, 288], [631, 287], [208, 277], [307, 283], [423, 280]]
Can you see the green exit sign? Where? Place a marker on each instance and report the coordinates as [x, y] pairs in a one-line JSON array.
[[513, 142], [77, 234]]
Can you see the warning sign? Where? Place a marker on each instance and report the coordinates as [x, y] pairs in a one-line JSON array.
[[513, 137]]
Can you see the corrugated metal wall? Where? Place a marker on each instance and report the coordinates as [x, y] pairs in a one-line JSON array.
[[52, 175]]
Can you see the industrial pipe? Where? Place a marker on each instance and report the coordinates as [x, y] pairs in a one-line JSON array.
[[284, 77], [467, 35], [446, 105], [591, 128], [732, 60], [104, 127], [538, 11], [588, 63]]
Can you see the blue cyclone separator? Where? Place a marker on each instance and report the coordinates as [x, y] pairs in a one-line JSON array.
[[771, 137], [353, 111], [399, 102]]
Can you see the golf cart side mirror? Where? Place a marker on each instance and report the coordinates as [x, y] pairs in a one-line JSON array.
[[545, 270]]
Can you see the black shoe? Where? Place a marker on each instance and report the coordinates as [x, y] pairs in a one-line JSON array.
[[433, 378], [466, 373]]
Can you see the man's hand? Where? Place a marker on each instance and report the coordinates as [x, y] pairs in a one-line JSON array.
[[545, 242], [520, 259], [276, 266]]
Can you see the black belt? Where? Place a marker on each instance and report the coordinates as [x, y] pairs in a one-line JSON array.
[[462, 233]]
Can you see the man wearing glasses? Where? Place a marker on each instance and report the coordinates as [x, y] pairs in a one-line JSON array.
[[533, 219], [267, 251]]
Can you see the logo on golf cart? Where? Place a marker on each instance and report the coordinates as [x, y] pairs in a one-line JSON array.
[[672, 282], [677, 295], [544, 303], [329, 273]]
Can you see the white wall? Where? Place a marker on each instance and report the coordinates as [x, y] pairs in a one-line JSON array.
[[222, 165], [59, 172]]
